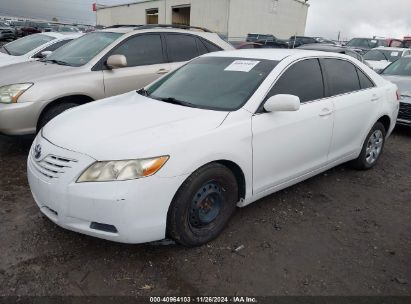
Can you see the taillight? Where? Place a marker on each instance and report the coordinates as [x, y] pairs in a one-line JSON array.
[[398, 95]]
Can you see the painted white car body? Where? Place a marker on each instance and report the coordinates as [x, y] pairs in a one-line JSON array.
[[6, 59], [273, 150]]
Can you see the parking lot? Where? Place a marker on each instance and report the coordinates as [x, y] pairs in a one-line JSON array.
[[343, 232]]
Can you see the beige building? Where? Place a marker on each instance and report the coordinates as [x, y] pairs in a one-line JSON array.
[[232, 18]]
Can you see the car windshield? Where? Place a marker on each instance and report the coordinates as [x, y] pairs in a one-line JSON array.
[[24, 45], [400, 67], [378, 55], [80, 51], [217, 83], [366, 43]]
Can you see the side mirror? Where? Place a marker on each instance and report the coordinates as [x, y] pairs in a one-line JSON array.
[[282, 102], [116, 62]]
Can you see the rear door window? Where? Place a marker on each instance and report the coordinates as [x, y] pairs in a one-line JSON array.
[[341, 75], [303, 79], [181, 47]]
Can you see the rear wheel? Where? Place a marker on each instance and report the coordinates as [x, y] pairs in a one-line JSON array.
[[372, 148], [53, 112], [203, 205]]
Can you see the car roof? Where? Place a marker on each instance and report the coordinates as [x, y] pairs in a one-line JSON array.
[[324, 47], [271, 54], [391, 48], [63, 35]]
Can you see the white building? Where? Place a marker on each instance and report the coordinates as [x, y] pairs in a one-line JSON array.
[[232, 18]]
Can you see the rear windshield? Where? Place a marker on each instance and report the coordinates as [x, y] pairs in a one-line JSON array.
[[401, 67], [379, 55], [24, 45], [366, 43]]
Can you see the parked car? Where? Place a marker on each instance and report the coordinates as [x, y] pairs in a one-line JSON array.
[[33, 47], [268, 41], [224, 130], [379, 58], [6, 32], [17, 26], [335, 49], [247, 45], [31, 28], [323, 40], [296, 41], [407, 42], [68, 29], [259, 37], [363, 45], [399, 73], [96, 65]]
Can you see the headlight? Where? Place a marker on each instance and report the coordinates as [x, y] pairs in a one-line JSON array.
[[122, 170], [11, 93]]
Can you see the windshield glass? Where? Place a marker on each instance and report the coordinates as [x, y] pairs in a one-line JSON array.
[[217, 83], [401, 67], [80, 51], [24, 45], [366, 43], [378, 55]]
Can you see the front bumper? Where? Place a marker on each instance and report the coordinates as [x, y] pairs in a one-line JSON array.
[[19, 118], [137, 209], [404, 114]]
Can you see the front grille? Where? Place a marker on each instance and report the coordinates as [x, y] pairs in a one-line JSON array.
[[52, 166], [405, 111]]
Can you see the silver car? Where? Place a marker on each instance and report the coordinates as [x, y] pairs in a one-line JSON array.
[[399, 73], [98, 65]]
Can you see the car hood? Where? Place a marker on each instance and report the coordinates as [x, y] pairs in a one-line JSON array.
[[31, 72], [129, 126], [6, 59], [403, 83]]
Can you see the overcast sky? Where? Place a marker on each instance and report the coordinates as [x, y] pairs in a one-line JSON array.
[[388, 18]]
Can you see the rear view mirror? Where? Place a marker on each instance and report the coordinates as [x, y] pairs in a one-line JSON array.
[[282, 102], [116, 61]]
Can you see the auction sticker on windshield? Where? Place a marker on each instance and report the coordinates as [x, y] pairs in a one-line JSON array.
[[242, 66]]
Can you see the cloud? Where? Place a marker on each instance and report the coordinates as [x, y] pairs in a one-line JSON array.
[[355, 18]]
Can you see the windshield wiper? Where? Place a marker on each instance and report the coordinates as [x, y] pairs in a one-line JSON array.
[[143, 92], [59, 62], [175, 101]]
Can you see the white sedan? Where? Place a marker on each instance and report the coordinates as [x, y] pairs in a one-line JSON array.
[[34, 47], [224, 130]]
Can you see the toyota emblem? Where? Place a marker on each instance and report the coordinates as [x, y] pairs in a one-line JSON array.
[[37, 151]]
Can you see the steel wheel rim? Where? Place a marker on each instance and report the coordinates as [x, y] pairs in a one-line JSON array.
[[206, 205], [374, 147]]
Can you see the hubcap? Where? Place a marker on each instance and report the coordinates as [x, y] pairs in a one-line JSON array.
[[374, 147], [206, 205]]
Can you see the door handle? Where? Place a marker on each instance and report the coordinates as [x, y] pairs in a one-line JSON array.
[[326, 112], [162, 71]]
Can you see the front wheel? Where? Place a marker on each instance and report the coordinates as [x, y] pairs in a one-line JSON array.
[[53, 112], [203, 205], [372, 148]]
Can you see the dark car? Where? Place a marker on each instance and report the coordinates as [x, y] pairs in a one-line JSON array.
[[267, 41], [333, 49], [246, 45], [17, 26], [6, 32], [363, 45], [35, 28], [296, 41]]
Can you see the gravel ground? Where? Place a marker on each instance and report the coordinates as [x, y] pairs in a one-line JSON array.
[[343, 232]]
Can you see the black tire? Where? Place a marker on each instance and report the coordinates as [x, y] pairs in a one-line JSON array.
[[187, 222], [362, 162], [53, 112]]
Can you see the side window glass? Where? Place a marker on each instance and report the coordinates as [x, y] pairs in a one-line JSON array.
[[201, 47], [303, 79], [181, 47], [211, 47], [342, 76], [51, 48], [141, 50], [365, 82]]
